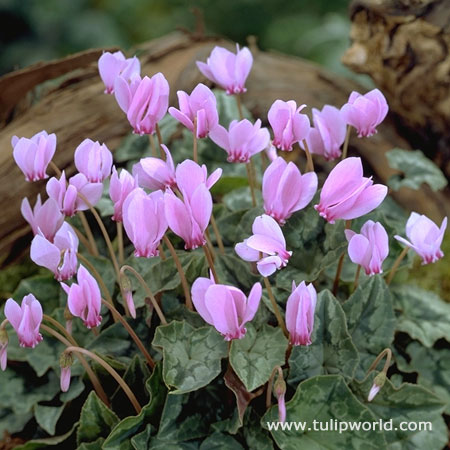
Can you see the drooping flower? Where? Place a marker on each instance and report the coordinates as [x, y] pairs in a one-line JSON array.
[[119, 188], [144, 221], [3, 348], [59, 255], [154, 173], [44, 217], [225, 307], [25, 319], [228, 70], [279, 389], [93, 160], [425, 238], [65, 363], [289, 125], [267, 246], [145, 101], [347, 194], [369, 248], [84, 298], [242, 140], [34, 155], [199, 107], [285, 190], [378, 383], [328, 133], [300, 308], [111, 65], [365, 112], [67, 195]]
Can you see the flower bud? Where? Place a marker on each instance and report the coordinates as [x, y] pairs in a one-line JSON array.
[[280, 390], [378, 383], [127, 289], [3, 346], [65, 362]]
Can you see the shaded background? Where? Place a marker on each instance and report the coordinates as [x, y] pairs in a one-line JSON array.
[[35, 30]]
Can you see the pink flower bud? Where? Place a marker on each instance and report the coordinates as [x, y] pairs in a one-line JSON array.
[[365, 112], [242, 140], [144, 221], [93, 160], [145, 101], [288, 124], [300, 308], [373, 392], [25, 319], [369, 248], [201, 106], [225, 307], [119, 188], [285, 190], [154, 173], [59, 256], [33, 155], [347, 194], [328, 133], [378, 383], [425, 238], [3, 348], [45, 218], [111, 65], [271, 152], [267, 246], [280, 392], [226, 69], [65, 362], [84, 298]]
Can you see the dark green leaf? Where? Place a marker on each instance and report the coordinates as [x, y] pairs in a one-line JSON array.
[[219, 441], [47, 417]]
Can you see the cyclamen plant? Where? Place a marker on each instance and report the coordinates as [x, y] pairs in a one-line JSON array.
[[167, 207]]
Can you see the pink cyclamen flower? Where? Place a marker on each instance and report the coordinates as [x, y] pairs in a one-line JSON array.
[[3, 348], [225, 307], [328, 133], [119, 188], [425, 238], [66, 195], [228, 70], [347, 194], [145, 101], [155, 173], [111, 65], [288, 124], [60, 255], [365, 112], [84, 298], [369, 248], [300, 308], [285, 190], [267, 246], [93, 160], [242, 140], [199, 107], [34, 155], [44, 217], [25, 319], [271, 152], [144, 221]]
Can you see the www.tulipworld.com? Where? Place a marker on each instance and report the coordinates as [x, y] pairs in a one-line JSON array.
[[342, 427]]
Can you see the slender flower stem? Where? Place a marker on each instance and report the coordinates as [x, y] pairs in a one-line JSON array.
[[111, 371], [309, 160], [147, 290], [250, 182], [94, 380], [276, 310], [348, 224], [184, 284], [210, 246], [347, 140], [239, 106], [270, 385], [55, 169], [355, 284], [131, 332], [162, 255], [160, 141], [97, 276], [210, 263], [195, 143], [61, 328], [396, 265], [218, 236], [152, 145], [83, 240], [120, 241], [386, 352], [87, 229]]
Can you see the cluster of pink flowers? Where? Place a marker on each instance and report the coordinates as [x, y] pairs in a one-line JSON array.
[[180, 197]]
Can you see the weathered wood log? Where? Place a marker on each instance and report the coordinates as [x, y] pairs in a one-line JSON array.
[[404, 45], [77, 109]]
